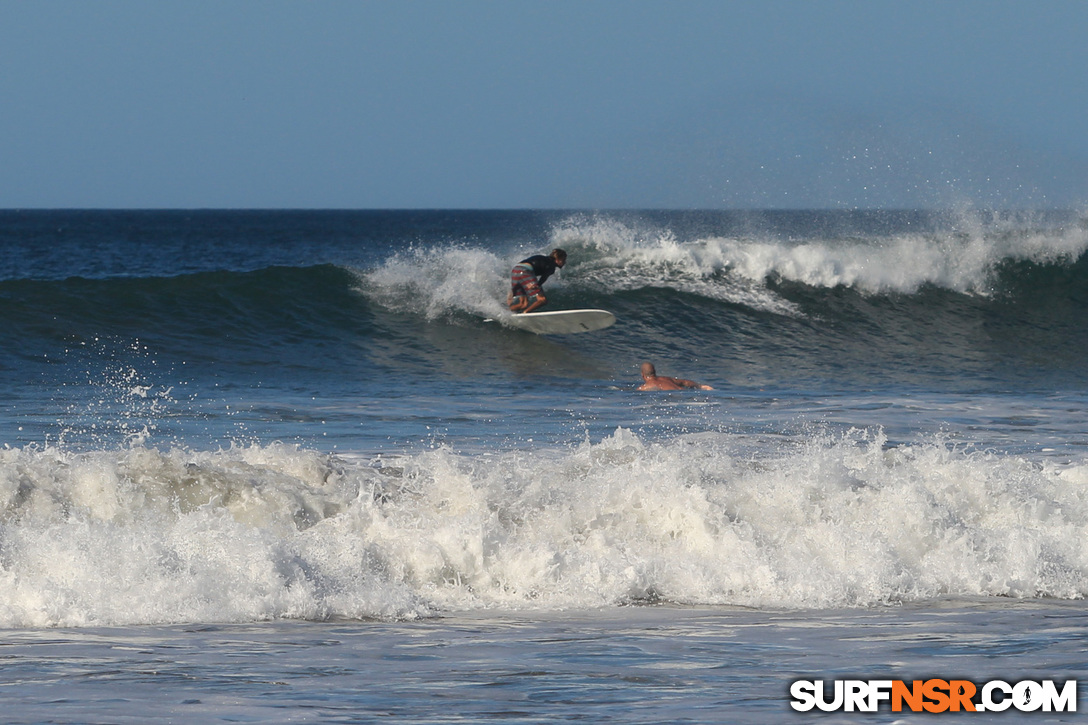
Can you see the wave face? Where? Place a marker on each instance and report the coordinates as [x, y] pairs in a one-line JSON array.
[[240, 416]]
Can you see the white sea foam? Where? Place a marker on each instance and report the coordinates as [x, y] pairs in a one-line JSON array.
[[962, 258], [255, 533], [616, 257], [899, 264]]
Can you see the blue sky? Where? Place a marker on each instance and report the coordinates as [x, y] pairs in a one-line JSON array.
[[586, 104]]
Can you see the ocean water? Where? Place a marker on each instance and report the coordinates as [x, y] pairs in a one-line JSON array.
[[272, 466]]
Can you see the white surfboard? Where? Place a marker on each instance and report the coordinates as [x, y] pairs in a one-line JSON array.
[[561, 322]]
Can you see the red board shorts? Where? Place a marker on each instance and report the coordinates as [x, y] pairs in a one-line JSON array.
[[523, 281]]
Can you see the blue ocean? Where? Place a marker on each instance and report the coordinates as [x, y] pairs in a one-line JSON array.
[[272, 466]]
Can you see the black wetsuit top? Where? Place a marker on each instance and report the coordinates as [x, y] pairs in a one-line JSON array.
[[543, 267]]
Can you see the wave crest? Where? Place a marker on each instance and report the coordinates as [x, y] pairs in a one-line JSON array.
[[961, 254]]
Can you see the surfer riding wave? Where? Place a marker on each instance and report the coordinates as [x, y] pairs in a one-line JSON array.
[[526, 279]]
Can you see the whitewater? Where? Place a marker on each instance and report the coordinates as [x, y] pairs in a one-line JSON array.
[[261, 533]]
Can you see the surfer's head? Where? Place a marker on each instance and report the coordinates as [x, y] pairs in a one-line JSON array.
[[559, 256], [648, 370]]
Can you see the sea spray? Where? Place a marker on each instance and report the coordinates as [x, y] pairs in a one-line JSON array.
[[440, 281]]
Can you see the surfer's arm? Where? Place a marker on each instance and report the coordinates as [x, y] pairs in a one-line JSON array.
[[691, 384], [535, 302]]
